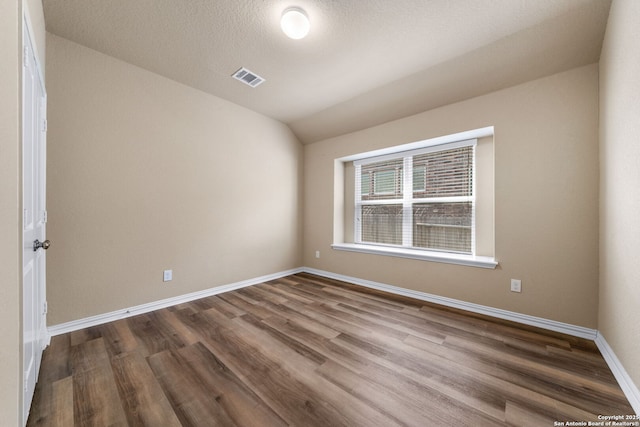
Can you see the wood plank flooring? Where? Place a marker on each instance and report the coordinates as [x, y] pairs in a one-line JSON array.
[[309, 351]]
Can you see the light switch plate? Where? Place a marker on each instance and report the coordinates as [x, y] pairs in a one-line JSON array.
[[167, 275]]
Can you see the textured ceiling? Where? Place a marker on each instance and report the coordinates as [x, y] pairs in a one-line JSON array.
[[364, 62]]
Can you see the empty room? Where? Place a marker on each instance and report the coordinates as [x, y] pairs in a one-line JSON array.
[[320, 213]]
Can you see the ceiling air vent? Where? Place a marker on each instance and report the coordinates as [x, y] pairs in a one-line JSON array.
[[247, 77]]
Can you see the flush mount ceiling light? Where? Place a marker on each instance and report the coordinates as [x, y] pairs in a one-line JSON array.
[[295, 23]]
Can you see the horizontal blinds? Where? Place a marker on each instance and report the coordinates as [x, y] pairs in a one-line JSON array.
[[420, 199], [446, 173], [443, 226], [382, 224], [382, 180], [429, 149]]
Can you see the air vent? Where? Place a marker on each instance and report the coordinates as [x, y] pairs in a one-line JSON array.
[[247, 77]]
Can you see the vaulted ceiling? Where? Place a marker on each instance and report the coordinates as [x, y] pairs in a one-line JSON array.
[[365, 62]]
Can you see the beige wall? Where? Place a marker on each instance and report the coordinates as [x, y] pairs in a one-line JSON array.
[[619, 185], [10, 325], [142, 177], [546, 200]]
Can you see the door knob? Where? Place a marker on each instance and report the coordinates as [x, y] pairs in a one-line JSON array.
[[37, 244]]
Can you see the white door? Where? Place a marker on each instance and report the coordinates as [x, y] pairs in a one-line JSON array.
[[34, 309]]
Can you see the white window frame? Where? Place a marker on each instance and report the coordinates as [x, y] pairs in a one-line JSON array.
[[434, 144]]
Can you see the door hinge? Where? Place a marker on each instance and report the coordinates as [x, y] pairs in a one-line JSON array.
[[44, 125], [25, 59], [46, 308], [45, 217]]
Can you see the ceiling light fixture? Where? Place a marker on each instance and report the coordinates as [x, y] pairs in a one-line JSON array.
[[295, 23]]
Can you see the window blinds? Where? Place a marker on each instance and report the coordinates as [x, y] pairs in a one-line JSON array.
[[420, 199]]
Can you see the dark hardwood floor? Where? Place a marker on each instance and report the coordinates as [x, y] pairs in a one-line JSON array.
[[309, 351]]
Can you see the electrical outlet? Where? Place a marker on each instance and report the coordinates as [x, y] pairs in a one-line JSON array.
[[167, 275], [516, 285], [317, 254]]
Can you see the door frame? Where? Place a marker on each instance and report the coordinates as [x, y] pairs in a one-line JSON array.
[[30, 49]]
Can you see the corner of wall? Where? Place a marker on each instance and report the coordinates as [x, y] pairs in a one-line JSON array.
[[619, 131]]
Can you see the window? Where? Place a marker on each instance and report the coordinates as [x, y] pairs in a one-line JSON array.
[[421, 199], [429, 200]]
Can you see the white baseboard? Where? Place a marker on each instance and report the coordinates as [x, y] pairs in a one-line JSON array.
[[565, 328], [624, 380], [626, 384], [76, 325]]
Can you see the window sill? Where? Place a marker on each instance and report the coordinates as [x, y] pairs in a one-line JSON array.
[[448, 258]]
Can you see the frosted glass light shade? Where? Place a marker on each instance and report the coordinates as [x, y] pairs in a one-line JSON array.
[[295, 23]]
